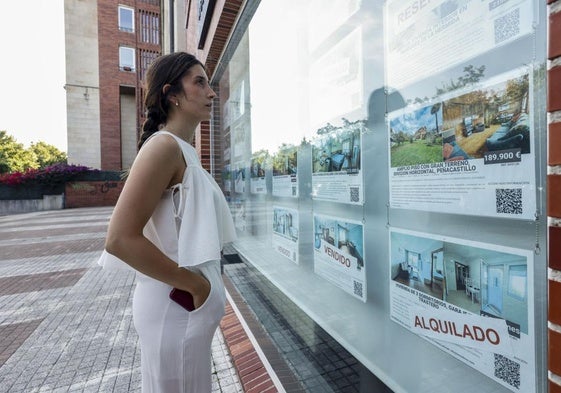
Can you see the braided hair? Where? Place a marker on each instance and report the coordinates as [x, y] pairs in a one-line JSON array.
[[166, 69]]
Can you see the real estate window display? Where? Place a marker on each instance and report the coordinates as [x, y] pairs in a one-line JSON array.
[[314, 135]]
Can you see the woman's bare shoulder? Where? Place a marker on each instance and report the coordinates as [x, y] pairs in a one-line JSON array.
[[160, 148]]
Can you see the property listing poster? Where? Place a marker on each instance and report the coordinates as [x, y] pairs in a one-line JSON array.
[[336, 165], [337, 79], [472, 300], [339, 253], [238, 210], [285, 172], [240, 132], [285, 232], [257, 174], [239, 179], [470, 153], [418, 33], [227, 178]]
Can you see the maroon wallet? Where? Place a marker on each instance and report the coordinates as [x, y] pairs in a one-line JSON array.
[[183, 298]]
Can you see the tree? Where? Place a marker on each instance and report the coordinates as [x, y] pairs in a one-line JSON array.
[[472, 75], [517, 89], [13, 156], [259, 160], [434, 110], [401, 137], [47, 154]]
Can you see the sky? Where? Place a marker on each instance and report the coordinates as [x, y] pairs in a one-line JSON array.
[[410, 122], [32, 71]]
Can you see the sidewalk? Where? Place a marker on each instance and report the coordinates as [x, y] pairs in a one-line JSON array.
[[66, 324]]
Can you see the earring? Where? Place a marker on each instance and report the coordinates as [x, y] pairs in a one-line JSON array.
[[177, 104]]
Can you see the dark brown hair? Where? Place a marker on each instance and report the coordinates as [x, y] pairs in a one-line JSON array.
[[166, 69]]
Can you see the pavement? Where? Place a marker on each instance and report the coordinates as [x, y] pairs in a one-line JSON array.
[[66, 324]]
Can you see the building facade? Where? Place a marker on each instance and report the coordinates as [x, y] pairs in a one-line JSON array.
[[109, 45], [393, 169]]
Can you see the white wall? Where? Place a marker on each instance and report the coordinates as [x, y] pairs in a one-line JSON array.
[[82, 82]]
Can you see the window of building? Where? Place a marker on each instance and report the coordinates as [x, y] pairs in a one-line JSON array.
[[127, 59], [517, 277], [146, 58], [149, 27], [126, 19]]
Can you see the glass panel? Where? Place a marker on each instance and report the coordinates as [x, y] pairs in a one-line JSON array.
[[384, 158], [126, 19], [517, 281], [126, 59]]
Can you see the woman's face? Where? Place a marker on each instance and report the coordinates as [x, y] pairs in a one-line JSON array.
[[196, 100]]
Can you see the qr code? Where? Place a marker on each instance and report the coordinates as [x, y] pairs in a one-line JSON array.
[[509, 200], [507, 370], [507, 26], [355, 195], [357, 288]]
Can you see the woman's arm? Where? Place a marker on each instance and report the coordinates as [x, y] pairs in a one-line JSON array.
[[159, 165]]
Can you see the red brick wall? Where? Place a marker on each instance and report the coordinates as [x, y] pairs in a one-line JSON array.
[[111, 77], [203, 144], [92, 193], [554, 195]]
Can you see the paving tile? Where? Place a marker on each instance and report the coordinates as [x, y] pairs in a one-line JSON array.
[[67, 322], [284, 333], [39, 281], [13, 335]]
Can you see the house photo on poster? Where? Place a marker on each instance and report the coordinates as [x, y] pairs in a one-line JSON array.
[[339, 253], [473, 300], [336, 163], [418, 33], [286, 232], [285, 172], [468, 153], [259, 162]]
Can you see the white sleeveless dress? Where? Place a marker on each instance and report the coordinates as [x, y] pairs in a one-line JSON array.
[[190, 225]]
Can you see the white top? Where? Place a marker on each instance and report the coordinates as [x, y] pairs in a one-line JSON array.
[[192, 221]]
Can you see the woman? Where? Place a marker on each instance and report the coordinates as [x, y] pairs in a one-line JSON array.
[[169, 224]]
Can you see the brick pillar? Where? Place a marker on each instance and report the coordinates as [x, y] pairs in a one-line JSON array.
[[204, 147], [554, 195]]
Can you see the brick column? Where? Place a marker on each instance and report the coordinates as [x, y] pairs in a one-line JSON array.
[[554, 195], [203, 144]]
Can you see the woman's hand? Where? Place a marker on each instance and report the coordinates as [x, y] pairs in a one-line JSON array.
[[202, 293]]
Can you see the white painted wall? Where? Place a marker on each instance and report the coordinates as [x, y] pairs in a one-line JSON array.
[[82, 82]]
